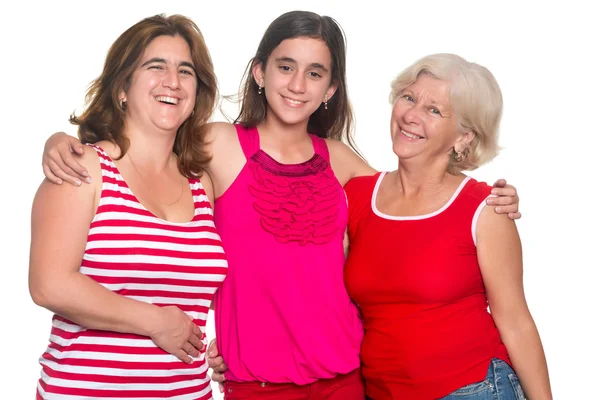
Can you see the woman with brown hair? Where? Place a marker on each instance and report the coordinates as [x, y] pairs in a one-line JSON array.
[[129, 264]]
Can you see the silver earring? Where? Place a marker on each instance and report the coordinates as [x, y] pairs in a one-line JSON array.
[[259, 89], [326, 102]]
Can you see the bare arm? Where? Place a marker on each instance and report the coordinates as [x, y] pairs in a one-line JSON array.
[[500, 259], [346, 163], [62, 161], [61, 218]]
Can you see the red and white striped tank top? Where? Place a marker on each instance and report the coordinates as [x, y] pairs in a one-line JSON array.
[[135, 254]]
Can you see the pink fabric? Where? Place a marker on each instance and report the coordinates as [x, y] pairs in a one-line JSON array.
[[283, 314]]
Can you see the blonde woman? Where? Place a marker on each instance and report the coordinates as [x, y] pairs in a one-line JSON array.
[[427, 257]]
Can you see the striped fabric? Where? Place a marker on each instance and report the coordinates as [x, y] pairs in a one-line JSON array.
[[135, 254]]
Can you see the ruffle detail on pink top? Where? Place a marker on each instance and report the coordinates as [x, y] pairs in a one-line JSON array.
[[296, 203]]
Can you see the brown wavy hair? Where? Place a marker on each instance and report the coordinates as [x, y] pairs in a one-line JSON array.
[[337, 122], [104, 119]]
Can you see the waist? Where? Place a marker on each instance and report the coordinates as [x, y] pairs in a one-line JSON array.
[[78, 346], [428, 348], [350, 384], [294, 336]]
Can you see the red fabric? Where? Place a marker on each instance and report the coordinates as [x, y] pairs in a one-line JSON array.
[[135, 254], [418, 285], [342, 387]]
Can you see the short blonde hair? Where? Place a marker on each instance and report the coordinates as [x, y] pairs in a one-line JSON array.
[[475, 97]]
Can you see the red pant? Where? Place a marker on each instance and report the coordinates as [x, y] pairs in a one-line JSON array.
[[342, 387]]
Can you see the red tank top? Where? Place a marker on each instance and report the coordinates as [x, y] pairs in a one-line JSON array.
[[138, 255], [417, 282]]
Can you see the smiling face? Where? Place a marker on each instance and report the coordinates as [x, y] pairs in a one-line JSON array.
[[162, 90], [296, 79], [423, 123]]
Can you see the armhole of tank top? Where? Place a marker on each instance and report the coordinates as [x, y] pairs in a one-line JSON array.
[[476, 218]]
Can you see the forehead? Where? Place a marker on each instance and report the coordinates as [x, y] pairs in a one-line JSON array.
[[304, 50], [433, 88], [171, 48]]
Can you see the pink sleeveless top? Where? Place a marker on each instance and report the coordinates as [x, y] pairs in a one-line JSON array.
[[283, 313]]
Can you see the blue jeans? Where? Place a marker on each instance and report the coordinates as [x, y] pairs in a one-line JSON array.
[[500, 383]]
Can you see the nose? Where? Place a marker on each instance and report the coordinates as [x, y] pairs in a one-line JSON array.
[[171, 78], [297, 83], [412, 115]]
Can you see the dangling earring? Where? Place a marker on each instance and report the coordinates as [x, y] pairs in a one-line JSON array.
[[259, 89], [326, 102], [122, 104], [458, 155]]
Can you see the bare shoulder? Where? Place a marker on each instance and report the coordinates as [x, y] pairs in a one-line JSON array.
[[492, 226], [346, 163], [67, 199], [217, 131]]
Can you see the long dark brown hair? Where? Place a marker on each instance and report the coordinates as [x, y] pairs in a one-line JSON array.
[[103, 118], [337, 122]]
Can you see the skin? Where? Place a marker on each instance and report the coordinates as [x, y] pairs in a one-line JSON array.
[[421, 185], [298, 69], [62, 214]]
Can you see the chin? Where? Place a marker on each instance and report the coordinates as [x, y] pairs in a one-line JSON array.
[[292, 118]]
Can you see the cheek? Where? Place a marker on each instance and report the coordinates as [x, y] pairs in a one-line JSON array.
[[398, 110], [191, 88]]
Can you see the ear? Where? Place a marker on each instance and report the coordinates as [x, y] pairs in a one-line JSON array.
[[330, 92], [259, 74], [463, 141], [123, 96]]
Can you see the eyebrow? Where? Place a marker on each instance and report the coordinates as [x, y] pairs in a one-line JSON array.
[[312, 65], [163, 61]]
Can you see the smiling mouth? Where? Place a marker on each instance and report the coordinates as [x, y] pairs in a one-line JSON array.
[[293, 102], [410, 135], [167, 100]]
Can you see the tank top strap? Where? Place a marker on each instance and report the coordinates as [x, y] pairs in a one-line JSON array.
[[249, 140], [320, 146], [106, 163]]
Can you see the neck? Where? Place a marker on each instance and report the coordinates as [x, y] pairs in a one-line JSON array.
[[152, 152], [286, 134], [414, 177]]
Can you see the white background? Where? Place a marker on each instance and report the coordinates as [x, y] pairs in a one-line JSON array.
[[543, 55]]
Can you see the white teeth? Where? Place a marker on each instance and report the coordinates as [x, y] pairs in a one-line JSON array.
[[410, 135], [166, 99], [293, 101]]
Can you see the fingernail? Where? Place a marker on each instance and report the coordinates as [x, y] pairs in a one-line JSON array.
[[59, 182], [494, 191], [88, 180], [489, 201], [84, 173], [78, 183], [497, 209]]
